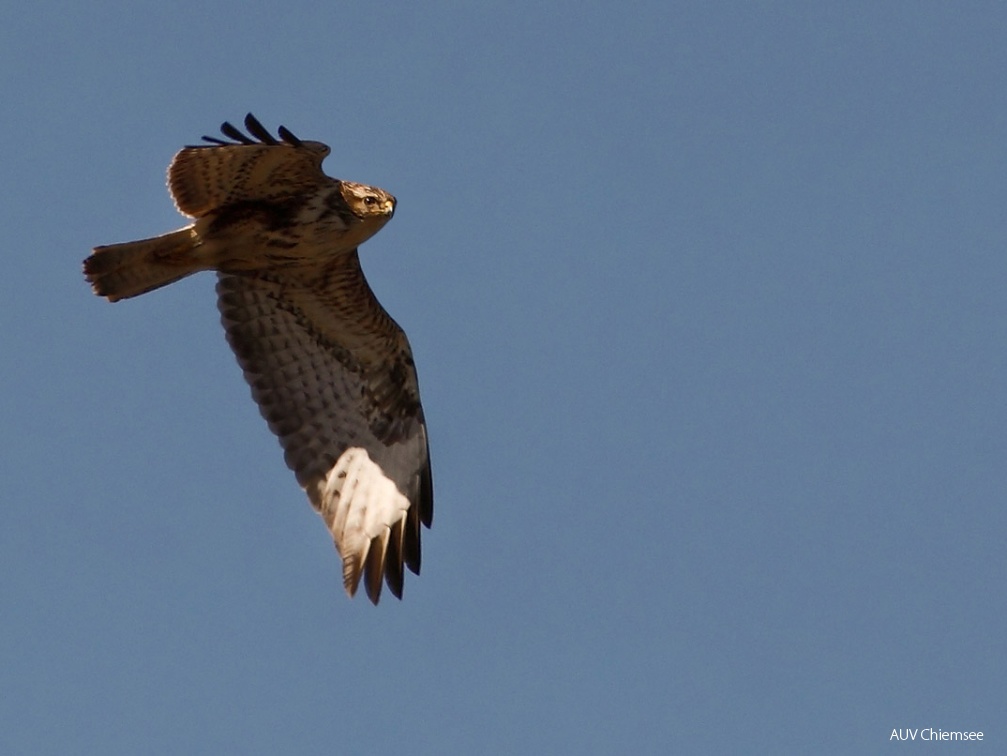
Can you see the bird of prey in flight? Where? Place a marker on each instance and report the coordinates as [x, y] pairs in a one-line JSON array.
[[332, 373]]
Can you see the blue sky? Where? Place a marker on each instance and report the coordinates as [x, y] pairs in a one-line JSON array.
[[707, 302]]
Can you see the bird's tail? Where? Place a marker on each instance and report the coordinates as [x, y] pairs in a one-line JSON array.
[[120, 271]]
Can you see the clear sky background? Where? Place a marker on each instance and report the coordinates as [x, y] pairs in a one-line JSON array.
[[708, 305]]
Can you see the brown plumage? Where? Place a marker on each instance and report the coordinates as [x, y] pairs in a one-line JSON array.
[[331, 371]]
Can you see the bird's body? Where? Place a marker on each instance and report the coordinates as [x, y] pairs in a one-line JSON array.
[[331, 371]]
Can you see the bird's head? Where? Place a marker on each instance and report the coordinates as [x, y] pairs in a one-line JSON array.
[[368, 202]]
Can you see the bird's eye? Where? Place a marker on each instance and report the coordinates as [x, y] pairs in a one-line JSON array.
[[370, 200]]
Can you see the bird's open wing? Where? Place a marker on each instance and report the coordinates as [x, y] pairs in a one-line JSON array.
[[333, 376], [206, 177]]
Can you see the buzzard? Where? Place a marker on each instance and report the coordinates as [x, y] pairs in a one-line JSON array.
[[332, 373]]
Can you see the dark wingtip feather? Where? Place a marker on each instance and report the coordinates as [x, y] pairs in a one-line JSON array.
[[257, 130], [394, 575], [411, 552], [289, 138], [374, 569], [395, 588], [426, 501], [234, 133]]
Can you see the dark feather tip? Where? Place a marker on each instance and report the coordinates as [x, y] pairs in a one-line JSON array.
[[233, 133], [289, 138], [257, 130]]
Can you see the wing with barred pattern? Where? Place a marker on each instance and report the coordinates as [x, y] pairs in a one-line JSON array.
[[334, 378], [207, 177]]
